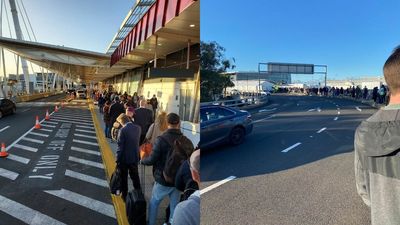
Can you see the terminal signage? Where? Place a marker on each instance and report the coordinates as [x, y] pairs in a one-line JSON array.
[[290, 68]]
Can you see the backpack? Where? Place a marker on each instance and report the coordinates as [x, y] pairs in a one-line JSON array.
[[179, 152], [115, 130]]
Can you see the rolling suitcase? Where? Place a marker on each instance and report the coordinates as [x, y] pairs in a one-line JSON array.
[[136, 205]]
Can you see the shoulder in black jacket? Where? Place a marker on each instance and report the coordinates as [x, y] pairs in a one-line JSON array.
[[144, 118], [128, 144], [158, 157]]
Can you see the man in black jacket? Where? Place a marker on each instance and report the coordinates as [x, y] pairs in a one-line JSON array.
[[115, 110], [162, 145], [377, 151], [128, 153], [144, 118]]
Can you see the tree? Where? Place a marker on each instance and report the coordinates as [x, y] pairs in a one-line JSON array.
[[213, 65]]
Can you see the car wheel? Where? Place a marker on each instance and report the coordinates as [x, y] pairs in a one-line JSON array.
[[14, 110], [237, 136]]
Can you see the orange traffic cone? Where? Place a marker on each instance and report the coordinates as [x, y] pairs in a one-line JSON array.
[[37, 125], [3, 152], [47, 115], [56, 109]]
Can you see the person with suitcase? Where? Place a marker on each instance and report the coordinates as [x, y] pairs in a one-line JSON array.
[[128, 153]]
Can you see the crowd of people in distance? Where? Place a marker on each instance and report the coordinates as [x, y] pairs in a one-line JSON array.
[[132, 121], [379, 95]]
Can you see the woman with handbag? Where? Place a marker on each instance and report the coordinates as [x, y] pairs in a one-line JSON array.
[[156, 129]]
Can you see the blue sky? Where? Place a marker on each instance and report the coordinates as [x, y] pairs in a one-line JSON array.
[[82, 24], [354, 38]]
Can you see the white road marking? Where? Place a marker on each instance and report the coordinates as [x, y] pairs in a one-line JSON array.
[[39, 134], [311, 110], [336, 118], [85, 150], [321, 130], [86, 162], [219, 183], [72, 118], [267, 110], [51, 122], [48, 130], [85, 142], [358, 108], [32, 140], [69, 121], [86, 131], [311, 136], [8, 174], [86, 178], [27, 148], [291, 147], [266, 118], [4, 128], [81, 126], [25, 110], [74, 115], [18, 158], [25, 214], [100, 207], [46, 125], [86, 136]]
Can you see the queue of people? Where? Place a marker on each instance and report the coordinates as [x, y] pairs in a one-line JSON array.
[[174, 161]]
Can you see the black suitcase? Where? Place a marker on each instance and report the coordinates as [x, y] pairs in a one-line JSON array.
[[136, 206], [115, 182]]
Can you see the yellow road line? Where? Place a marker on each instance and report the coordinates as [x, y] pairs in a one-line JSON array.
[[109, 166]]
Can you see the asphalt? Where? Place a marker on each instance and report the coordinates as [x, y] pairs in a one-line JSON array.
[[311, 183], [16, 125], [53, 175]]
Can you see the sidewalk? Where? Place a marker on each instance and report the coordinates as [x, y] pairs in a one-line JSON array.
[[369, 102], [149, 180]]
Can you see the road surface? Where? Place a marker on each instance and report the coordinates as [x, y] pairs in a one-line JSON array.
[[295, 168], [53, 175]]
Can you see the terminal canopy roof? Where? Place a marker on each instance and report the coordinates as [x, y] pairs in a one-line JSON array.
[[68, 62]]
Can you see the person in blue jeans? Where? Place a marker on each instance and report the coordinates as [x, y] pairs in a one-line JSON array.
[[161, 189]]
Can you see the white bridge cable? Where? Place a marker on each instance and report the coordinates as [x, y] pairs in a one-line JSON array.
[[9, 26], [26, 27], [23, 21], [29, 21]]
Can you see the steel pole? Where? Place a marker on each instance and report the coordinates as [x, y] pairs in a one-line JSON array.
[[19, 35]]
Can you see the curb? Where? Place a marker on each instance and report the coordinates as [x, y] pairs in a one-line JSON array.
[[359, 101], [109, 166]]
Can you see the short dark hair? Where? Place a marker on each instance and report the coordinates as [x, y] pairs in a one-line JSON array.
[[173, 118], [391, 71]]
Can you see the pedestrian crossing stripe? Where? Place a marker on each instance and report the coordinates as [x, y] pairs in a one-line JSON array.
[[26, 214], [92, 204]]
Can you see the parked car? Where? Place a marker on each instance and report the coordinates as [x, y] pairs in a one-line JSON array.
[[220, 125], [81, 94], [7, 107]]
